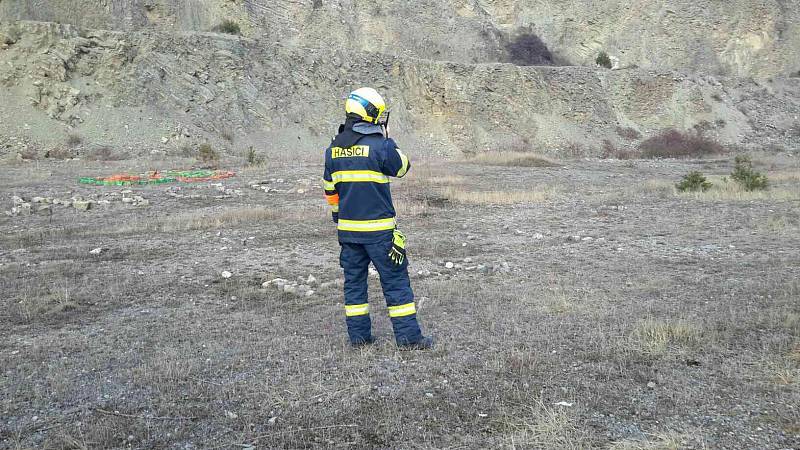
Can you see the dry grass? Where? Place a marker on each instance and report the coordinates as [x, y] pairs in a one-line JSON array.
[[542, 427], [786, 376], [670, 441], [511, 159], [778, 224], [791, 176], [460, 195], [192, 221], [721, 190], [657, 336], [425, 175]]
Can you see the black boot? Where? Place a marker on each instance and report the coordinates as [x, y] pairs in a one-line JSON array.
[[425, 343]]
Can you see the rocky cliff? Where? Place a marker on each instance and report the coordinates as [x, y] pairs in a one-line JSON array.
[[157, 75]]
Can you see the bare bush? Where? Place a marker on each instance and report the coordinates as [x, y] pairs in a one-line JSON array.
[[611, 151], [672, 143], [105, 153], [629, 134], [528, 50], [59, 153], [74, 139], [229, 26], [207, 155]]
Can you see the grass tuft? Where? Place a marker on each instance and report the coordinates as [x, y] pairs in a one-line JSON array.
[[657, 336]]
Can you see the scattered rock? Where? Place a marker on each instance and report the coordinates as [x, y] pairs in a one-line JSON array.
[[311, 281], [277, 282], [82, 205], [96, 251], [449, 265], [538, 236], [651, 385], [22, 209], [225, 274]]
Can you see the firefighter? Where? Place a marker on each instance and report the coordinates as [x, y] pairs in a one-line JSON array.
[[358, 165]]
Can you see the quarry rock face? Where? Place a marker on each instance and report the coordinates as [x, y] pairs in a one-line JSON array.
[[157, 75], [737, 37]]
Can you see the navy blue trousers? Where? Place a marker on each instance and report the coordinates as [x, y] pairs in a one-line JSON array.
[[355, 259]]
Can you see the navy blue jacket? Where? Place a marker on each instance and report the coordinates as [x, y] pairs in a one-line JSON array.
[[358, 164]]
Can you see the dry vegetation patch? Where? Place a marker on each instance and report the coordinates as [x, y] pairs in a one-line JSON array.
[[722, 189], [669, 441], [658, 336], [541, 426], [511, 159], [675, 144], [460, 195]]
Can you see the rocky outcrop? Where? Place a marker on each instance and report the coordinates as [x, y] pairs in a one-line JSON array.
[[733, 38], [146, 90]]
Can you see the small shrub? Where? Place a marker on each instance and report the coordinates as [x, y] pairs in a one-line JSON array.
[[186, 150], [252, 157], [575, 150], [694, 182], [716, 97], [674, 144], [105, 153], [528, 50], [74, 139], [627, 133], [207, 155], [610, 151], [603, 60], [59, 153], [227, 135], [229, 26], [744, 174]]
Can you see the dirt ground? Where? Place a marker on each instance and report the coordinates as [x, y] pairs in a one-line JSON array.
[[589, 305]]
